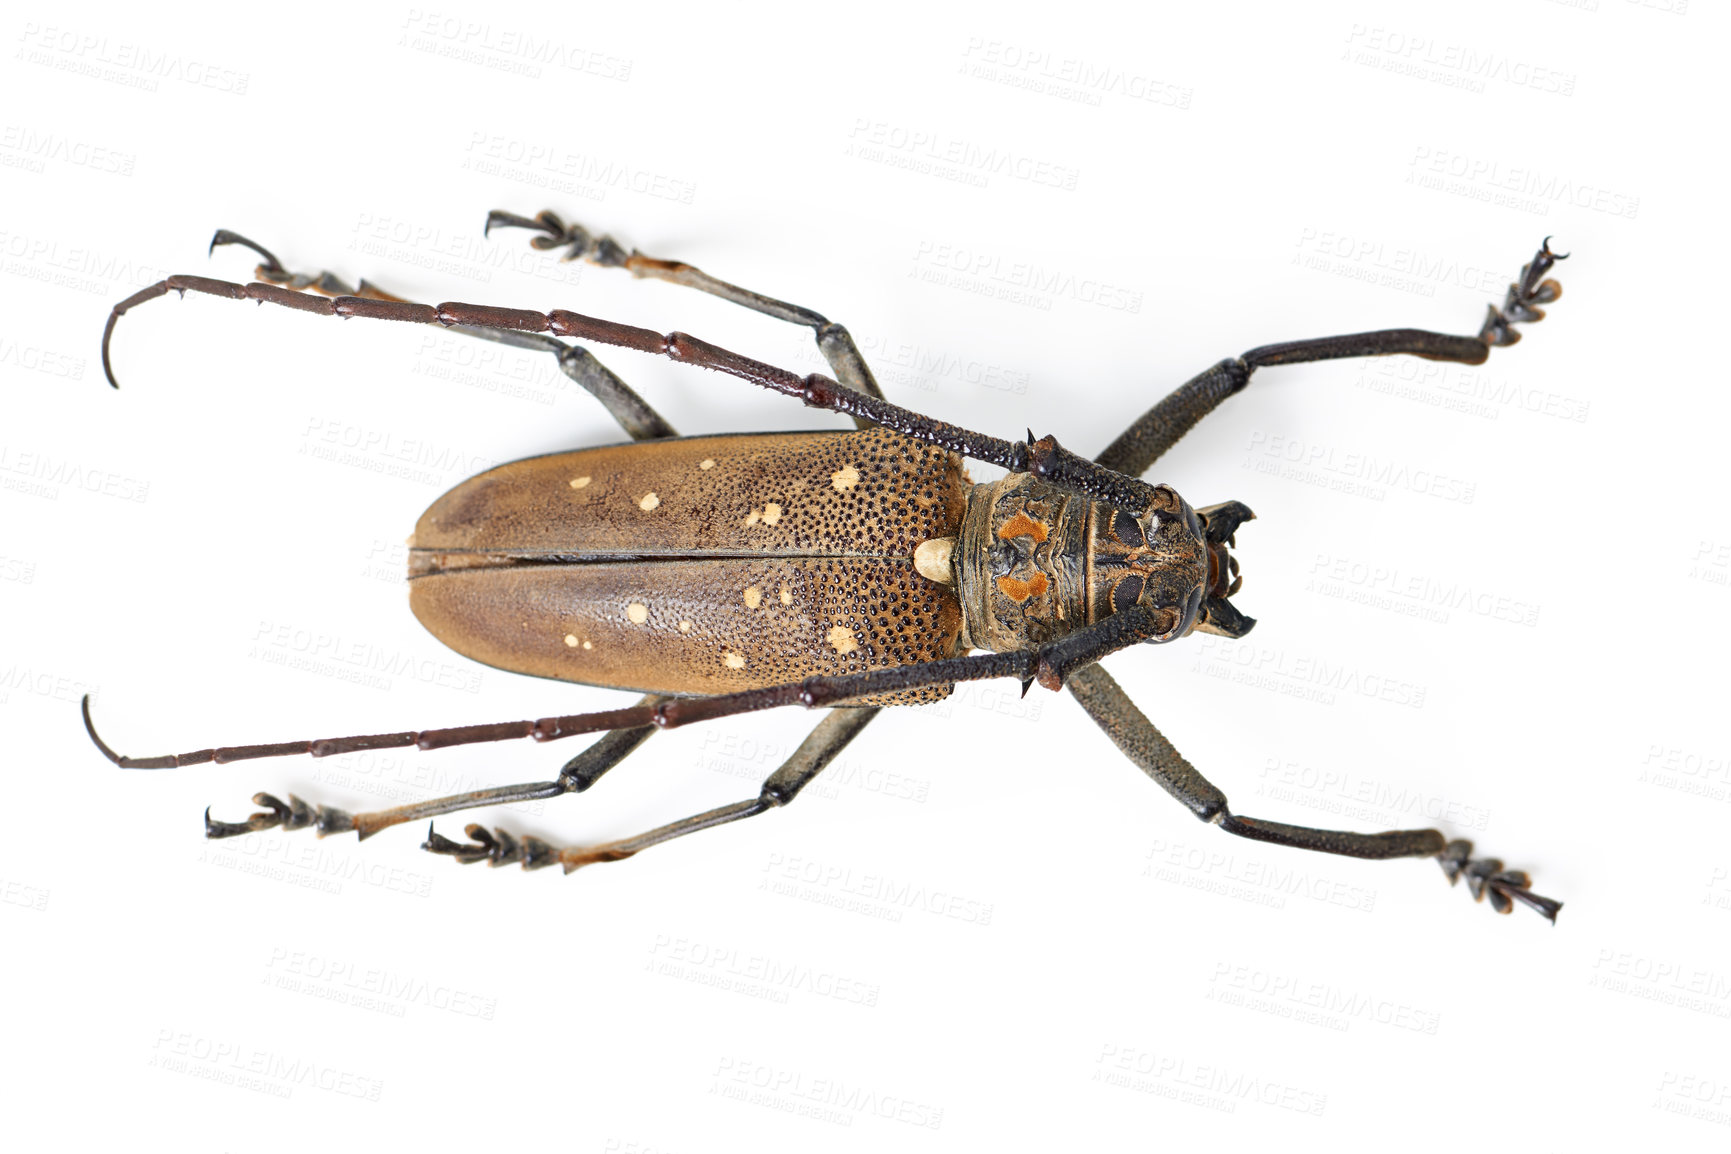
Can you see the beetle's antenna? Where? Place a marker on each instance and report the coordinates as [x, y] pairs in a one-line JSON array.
[[1049, 664], [270, 273], [1044, 458], [90, 728]]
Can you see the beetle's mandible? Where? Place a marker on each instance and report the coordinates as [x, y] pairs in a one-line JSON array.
[[851, 570]]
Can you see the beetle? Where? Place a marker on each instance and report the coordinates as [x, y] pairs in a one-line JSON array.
[[852, 570]]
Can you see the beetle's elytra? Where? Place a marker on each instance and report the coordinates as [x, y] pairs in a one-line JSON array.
[[698, 565], [851, 570]]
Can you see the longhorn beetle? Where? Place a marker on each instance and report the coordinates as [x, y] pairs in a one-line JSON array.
[[853, 570]]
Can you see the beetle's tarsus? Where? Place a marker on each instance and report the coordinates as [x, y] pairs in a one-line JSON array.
[[537, 853], [596, 248], [295, 814], [224, 237], [1486, 877], [500, 848], [438, 843], [1519, 306], [496, 848], [276, 814], [216, 829], [329, 819]]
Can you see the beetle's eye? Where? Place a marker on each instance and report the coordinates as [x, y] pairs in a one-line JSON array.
[[1126, 593], [1127, 529]]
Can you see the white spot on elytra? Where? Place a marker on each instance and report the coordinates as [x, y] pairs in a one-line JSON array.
[[638, 612], [579, 482], [571, 640], [786, 597], [844, 478], [588, 645], [753, 597], [841, 638], [733, 661], [769, 515], [934, 558], [685, 627], [650, 500], [706, 463]]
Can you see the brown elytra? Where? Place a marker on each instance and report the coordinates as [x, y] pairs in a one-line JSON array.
[[697, 565]]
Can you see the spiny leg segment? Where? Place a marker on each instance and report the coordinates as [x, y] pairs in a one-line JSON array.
[[1131, 731], [1157, 430]]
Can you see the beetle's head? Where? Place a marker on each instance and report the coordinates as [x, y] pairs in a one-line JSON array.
[[1033, 563], [1176, 558]]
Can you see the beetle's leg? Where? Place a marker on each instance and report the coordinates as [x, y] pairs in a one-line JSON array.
[[640, 422], [1043, 458], [819, 748], [1132, 732], [833, 341], [1159, 428], [633, 413], [1049, 664], [579, 774]]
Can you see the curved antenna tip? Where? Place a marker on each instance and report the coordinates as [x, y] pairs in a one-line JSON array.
[[90, 728], [107, 336]]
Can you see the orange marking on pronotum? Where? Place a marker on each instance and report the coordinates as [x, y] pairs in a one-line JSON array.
[[1019, 591], [1022, 525]]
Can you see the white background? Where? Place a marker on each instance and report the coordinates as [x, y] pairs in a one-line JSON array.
[[1490, 599]]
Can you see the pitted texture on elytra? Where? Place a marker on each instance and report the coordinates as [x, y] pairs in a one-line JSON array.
[[707, 491], [683, 627], [509, 564]]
